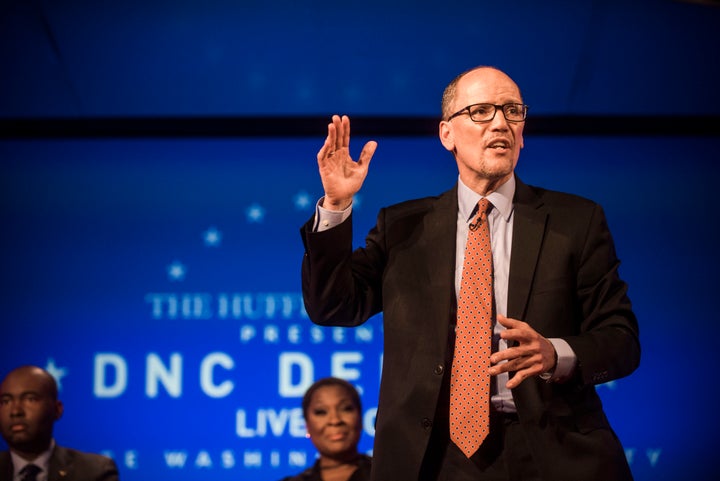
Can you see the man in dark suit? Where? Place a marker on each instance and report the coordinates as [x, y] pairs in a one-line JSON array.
[[562, 321], [29, 407]]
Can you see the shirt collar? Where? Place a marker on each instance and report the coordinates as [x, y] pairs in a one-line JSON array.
[[501, 199], [42, 461]]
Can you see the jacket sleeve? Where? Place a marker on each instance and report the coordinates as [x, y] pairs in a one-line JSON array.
[[341, 287], [608, 345]]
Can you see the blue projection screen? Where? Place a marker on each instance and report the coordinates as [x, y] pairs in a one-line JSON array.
[[159, 280]]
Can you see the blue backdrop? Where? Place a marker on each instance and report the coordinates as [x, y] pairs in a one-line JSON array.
[[159, 280]]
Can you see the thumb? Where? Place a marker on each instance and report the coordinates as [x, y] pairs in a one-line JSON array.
[[367, 152]]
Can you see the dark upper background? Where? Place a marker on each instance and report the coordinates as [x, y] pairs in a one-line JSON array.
[[263, 58]]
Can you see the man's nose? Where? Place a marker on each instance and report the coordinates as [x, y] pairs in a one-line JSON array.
[[16, 409], [499, 122]]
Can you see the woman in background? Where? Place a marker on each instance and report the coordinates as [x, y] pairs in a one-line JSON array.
[[333, 417]]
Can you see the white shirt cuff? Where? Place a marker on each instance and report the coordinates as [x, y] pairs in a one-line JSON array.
[[327, 219], [566, 361]]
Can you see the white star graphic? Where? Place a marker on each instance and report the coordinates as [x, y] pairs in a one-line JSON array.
[[176, 271], [255, 213], [57, 372], [212, 237], [302, 200]]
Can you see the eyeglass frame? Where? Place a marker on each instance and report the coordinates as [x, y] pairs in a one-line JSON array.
[[466, 110]]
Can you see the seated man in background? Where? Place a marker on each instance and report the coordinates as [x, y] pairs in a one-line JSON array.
[[29, 407]]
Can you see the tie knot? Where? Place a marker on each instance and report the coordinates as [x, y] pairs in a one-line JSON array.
[[30, 472], [484, 205]]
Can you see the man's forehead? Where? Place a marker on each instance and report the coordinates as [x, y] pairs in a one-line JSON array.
[[21, 392], [21, 382], [487, 84]]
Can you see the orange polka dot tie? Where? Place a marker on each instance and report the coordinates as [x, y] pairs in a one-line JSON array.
[[470, 381]]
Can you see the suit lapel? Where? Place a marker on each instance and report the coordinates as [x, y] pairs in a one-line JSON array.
[[60, 464], [440, 225], [528, 233], [438, 245]]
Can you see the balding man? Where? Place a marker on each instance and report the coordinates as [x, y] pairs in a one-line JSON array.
[[502, 305]]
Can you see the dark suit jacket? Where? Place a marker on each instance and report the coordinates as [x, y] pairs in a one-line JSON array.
[[314, 473], [563, 281], [69, 465]]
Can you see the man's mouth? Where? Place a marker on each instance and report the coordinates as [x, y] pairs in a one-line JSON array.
[[18, 427], [499, 144]]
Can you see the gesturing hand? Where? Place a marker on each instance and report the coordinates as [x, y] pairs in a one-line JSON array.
[[341, 176], [533, 355]]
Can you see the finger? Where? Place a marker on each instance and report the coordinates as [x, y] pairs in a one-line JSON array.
[[367, 153], [516, 367], [505, 361], [345, 131], [520, 335], [522, 374], [512, 365], [519, 357], [329, 145], [515, 381], [508, 322], [339, 129]]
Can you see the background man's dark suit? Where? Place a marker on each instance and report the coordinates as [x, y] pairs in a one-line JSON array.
[[69, 465], [563, 282]]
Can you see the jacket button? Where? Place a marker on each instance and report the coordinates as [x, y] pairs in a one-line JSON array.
[[439, 369], [426, 424]]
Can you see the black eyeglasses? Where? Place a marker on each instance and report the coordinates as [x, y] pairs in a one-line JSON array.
[[486, 112]]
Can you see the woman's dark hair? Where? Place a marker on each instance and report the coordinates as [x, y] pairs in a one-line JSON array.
[[330, 381]]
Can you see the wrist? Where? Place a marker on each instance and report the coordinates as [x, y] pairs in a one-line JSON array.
[[330, 203], [547, 375]]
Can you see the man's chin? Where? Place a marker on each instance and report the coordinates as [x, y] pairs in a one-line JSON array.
[[22, 442]]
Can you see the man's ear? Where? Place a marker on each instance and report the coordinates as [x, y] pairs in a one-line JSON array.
[[59, 409], [447, 136]]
